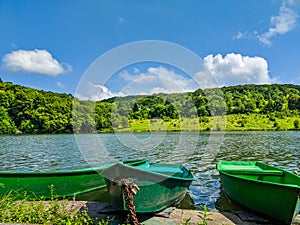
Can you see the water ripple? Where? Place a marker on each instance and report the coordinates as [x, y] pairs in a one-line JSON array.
[[193, 149]]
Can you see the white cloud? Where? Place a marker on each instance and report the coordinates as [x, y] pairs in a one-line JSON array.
[[156, 80], [34, 61], [95, 92], [102, 92], [240, 35], [284, 22], [281, 24], [233, 69], [153, 80], [218, 71], [60, 85]]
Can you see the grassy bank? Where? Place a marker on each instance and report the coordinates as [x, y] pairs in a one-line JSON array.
[[70, 212], [235, 122], [44, 212]]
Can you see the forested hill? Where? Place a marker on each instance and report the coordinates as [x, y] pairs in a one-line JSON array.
[[28, 110]]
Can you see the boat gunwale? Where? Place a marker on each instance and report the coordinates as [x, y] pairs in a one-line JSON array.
[[53, 173], [189, 178], [83, 171], [294, 186]]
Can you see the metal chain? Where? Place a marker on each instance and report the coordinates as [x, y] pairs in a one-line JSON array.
[[129, 189]]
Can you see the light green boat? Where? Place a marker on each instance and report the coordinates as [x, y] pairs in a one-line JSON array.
[[37, 185], [265, 189], [161, 185]]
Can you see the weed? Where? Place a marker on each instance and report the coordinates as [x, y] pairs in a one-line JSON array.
[[39, 212], [204, 216], [186, 221]]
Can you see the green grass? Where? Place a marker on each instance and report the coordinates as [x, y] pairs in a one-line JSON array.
[[40, 212], [259, 122], [236, 122]]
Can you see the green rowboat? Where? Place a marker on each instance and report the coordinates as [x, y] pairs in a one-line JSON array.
[[37, 185], [266, 189], [160, 185]]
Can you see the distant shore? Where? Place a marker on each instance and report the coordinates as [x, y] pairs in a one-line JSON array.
[[236, 122]]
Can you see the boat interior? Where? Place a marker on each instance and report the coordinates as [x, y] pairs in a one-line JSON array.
[[262, 172]]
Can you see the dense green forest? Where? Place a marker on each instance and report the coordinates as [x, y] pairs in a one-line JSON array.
[[30, 111]]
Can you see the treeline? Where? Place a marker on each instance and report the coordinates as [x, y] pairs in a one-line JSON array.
[[274, 100], [28, 110]]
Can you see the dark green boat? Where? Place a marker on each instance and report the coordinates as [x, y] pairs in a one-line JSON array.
[[266, 189], [37, 185], [161, 185]]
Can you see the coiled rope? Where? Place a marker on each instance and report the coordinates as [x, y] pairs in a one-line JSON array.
[[130, 189]]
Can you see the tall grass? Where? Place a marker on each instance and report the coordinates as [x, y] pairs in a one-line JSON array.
[[40, 212]]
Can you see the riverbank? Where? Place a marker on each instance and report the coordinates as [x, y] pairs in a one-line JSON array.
[[174, 216], [171, 216], [234, 122]]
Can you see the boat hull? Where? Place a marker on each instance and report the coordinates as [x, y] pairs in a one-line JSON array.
[[273, 194], [157, 191], [46, 185], [35, 186]]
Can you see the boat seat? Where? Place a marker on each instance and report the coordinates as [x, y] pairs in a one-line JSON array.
[[167, 170], [254, 172], [250, 170]]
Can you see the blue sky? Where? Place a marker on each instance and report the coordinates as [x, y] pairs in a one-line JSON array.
[[50, 45]]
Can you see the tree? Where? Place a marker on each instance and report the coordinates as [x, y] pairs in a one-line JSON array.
[[34, 111], [103, 115], [294, 102], [83, 116], [7, 126]]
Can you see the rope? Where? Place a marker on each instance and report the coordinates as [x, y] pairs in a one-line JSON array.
[[129, 189]]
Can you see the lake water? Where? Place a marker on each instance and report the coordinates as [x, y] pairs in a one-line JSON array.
[[198, 151]]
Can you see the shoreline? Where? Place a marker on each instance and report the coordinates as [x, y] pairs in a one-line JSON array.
[[225, 123], [156, 131], [170, 216]]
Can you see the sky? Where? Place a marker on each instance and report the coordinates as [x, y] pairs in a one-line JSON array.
[[98, 49]]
